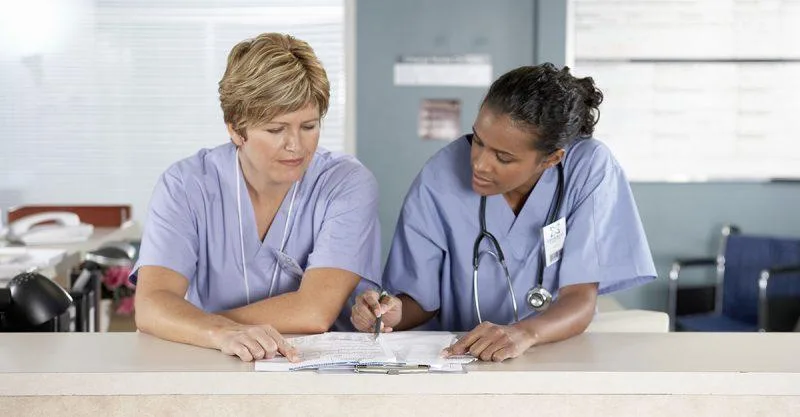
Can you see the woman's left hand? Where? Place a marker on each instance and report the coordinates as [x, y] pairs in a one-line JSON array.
[[492, 342]]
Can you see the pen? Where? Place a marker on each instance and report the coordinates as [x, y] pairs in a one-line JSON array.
[[378, 321]]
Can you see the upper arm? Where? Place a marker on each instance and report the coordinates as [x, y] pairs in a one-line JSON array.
[[349, 236], [415, 260], [170, 239], [156, 278], [605, 242]]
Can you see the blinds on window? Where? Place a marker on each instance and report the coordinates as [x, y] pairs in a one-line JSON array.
[[100, 97]]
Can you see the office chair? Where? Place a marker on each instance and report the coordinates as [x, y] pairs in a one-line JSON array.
[[756, 289]]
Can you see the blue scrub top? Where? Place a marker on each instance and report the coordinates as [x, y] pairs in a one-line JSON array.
[[431, 255], [193, 228]]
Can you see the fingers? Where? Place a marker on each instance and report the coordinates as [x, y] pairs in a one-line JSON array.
[[362, 318], [244, 347], [391, 303], [491, 352], [266, 341], [463, 344], [283, 346], [371, 299], [240, 350], [503, 354]]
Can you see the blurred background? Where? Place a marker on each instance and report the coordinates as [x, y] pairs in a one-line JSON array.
[[98, 97]]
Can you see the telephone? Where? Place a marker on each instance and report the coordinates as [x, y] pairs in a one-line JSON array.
[[58, 227]]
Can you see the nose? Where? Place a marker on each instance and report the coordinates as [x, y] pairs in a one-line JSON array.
[[480, 164], [292, 143]]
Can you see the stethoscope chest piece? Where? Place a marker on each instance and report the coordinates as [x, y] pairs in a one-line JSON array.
[[538, 298]]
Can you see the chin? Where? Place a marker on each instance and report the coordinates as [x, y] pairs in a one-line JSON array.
[[483, 191]]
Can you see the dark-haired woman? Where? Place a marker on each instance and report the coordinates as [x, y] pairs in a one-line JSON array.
[[541, 210]]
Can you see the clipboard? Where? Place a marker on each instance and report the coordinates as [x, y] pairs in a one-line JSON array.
[[392, 369]]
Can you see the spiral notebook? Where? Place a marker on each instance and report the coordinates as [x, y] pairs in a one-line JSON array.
[[343, 349]]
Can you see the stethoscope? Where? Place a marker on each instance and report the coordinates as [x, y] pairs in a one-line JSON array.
[[241, 231], [537, 298]]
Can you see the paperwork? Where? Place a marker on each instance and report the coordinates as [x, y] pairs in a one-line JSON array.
[[331, 349], [344, 351]]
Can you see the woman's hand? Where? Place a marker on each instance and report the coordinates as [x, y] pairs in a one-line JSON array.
[[369, 305], [253, 342], [492, 342]]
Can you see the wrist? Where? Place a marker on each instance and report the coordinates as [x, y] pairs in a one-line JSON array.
[[215, 333], [530, 332]]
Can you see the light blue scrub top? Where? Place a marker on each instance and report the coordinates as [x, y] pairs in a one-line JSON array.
[[193, 228], [431, 254]]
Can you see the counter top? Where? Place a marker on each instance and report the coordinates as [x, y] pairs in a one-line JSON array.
[[593, 363]]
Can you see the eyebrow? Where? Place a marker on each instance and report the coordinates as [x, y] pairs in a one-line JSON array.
[[492, 148], [287, 124]]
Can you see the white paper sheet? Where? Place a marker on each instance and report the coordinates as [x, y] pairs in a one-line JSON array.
[[340, 349], [330, 349]]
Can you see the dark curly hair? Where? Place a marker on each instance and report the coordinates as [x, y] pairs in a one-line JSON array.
[[550, 103]]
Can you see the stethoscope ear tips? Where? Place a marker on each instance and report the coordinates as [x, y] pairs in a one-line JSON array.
[[538, 299]]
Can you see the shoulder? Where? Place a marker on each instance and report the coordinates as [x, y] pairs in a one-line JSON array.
[[204, 163], [591, 169], [590, 158], [338, 172], [448, 170]]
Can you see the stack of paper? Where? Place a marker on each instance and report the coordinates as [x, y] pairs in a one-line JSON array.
[[342, 350]]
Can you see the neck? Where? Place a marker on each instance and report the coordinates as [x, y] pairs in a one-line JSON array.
[[263, 192], [517, 197]]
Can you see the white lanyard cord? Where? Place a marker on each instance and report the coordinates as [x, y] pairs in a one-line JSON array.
[[241, 231], [283, 239]]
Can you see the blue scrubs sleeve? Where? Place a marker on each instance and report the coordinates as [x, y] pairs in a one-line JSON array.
[[170, 238], [417, 256], [605, 240], [349, 238]]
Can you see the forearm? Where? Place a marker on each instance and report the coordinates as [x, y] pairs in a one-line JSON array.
[[292, 312], [568, 316], [168, 316], [413, 314]]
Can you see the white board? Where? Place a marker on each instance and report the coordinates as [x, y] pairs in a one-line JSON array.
[[697, 90]]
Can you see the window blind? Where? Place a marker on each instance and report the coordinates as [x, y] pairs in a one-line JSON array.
[[100, 97]]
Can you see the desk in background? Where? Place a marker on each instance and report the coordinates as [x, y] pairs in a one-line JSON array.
[[602, 374]]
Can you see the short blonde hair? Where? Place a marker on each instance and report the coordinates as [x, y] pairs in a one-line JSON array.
[[271, 75]]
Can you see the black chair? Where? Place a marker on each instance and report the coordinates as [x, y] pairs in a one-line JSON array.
[[757, 287]]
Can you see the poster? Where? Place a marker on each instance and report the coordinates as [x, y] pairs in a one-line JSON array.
[[439, 119]]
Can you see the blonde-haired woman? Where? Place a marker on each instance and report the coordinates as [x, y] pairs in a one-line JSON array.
[[264, 235]]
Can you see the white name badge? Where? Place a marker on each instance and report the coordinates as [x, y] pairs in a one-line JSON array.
[[553, 236]]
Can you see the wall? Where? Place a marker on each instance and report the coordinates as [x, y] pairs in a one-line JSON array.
[[386, 117], [679, 219], [685, 220]]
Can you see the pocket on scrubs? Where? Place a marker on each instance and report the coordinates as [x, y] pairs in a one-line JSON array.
[[289, 265]]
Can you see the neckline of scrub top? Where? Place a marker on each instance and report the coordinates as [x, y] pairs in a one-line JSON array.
[[533, 214], [272, 239]]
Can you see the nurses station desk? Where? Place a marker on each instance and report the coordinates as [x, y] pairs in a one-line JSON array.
[[595, 374]]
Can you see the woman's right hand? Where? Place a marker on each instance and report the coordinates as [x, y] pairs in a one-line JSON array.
[[253, 342], [369, 306]]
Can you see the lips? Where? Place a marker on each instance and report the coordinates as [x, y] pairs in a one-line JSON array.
[[480, 181], [291, 162]]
